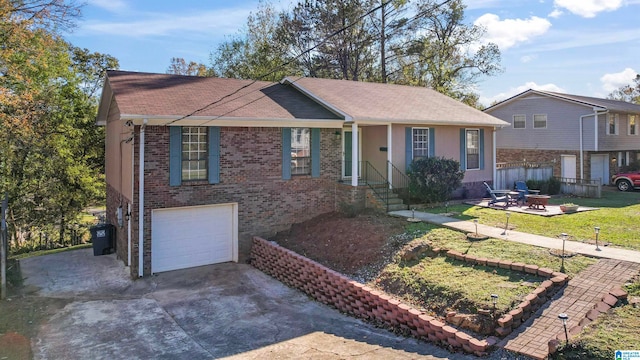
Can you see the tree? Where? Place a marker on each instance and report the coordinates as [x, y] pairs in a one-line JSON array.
[[179, 66], [52, 152], [342, 38], [442, 56], [257, 53], [628, 93]]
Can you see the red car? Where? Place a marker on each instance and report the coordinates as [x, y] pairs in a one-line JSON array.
[[626, 181]]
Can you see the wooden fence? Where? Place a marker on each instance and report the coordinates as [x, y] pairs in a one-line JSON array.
[[581, 187], [508, 173]]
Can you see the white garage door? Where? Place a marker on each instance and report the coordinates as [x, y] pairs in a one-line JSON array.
[[193, 236]]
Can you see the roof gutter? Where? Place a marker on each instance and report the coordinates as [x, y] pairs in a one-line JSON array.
[[164, 120]]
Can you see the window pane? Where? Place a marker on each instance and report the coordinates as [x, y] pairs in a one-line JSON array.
[[420, 143], [539, 121], [300, 151], [194, 152], [473, 149], [519, 121]]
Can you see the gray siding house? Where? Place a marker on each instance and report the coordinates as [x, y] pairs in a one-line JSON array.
[[587, 138]]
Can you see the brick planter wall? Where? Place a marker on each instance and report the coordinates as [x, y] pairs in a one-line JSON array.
[[610, 300], [354, 298], [538, 297]]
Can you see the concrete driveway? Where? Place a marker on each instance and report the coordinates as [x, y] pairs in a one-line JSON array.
[[226, 310]]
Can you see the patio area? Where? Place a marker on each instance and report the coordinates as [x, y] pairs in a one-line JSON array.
[[549, 210]]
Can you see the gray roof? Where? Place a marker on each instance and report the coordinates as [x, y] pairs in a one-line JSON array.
[[364, 101], [591, 102], [174, 96]]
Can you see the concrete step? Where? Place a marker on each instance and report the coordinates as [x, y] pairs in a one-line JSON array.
[[394, 201], [397, 207]]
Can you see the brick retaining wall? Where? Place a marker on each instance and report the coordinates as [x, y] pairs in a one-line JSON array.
[[354, 298]]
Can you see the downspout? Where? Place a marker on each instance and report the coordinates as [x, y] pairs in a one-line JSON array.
[[390, 155], [141, 203], [595, 142]]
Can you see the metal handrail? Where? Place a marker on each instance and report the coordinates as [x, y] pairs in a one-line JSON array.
[[377, 182], [400, 183]]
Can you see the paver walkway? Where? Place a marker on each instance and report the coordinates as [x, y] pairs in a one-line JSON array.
[[583, 292]]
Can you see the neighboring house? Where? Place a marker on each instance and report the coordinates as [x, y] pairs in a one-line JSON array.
[[587, 138], [223, 159]]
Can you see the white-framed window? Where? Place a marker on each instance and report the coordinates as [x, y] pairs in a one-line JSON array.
[[632, 129], [420, 143], [612, 124], [539, 121], [194, 152], [300, 151], [473, 149], [519, 121]]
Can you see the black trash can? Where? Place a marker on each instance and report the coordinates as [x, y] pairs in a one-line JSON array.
[[102, 237]]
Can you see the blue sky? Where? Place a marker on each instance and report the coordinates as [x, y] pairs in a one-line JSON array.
[[583, 47]]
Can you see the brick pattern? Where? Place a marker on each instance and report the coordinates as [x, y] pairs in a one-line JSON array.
[[583, 297], [354, 298], [512, 155], [251, 175]]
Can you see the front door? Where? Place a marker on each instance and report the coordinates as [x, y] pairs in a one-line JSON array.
[[347, 155], [600, 168], [568, 167]]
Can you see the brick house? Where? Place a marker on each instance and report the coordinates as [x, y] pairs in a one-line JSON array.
[[224, 159], [587, 138]]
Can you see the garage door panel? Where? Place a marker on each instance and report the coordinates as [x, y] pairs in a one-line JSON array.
[[192, 236]]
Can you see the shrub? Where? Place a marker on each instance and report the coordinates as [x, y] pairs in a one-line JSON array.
[[434, 179], [550, 186]]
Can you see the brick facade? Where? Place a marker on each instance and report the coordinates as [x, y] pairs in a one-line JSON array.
[[114, 200], [250, 175]]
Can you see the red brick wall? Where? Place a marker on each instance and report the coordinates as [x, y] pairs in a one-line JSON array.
[[250, 175], [514, 155]]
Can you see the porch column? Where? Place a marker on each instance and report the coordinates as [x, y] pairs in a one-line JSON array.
[[355, 161], [389, 155], [494, 156]]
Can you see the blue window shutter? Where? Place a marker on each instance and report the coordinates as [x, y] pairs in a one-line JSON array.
[[315, 152], [214, 155], [463, 149], [286, 153], [432, 142], [481, 149], [175, 155], [408, 147]]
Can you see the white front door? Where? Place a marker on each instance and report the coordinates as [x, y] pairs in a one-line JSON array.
[[193, 236], [568, 167], [600, 168]]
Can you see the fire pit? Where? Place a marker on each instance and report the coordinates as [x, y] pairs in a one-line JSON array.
[[538, 202]]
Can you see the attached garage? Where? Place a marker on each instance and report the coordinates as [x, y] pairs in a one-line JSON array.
[[193, 236]]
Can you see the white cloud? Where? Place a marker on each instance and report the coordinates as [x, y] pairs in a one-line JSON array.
[[110, 5], [528, 58], [611, 82], [509, 32], [159, 24], [588, 8], [556, 13], [517, 90]]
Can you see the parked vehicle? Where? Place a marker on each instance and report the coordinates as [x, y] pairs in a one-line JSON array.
[[626, 181]]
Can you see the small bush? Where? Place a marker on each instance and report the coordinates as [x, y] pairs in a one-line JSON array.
[[434, 179], [550, 186]]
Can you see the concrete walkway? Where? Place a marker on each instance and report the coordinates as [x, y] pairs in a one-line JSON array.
[[536, 240], [583, 292]]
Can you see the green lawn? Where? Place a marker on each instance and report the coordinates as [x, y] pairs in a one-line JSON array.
[[617, 218]]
